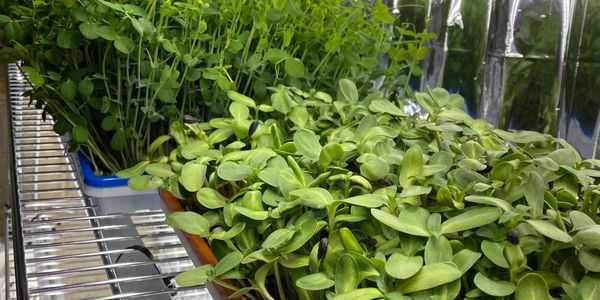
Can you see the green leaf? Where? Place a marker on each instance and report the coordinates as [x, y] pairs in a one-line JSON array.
[[277, 238], [178, 133], [498, 288], [242, 99], [275, 55], [315, 282], [465, 259], [35, 77], [385, 106], [144, 182], [415, 190], [589, 287], [550, 230], [580, 219], [193, 176], [430, 276], [495, 253], [13, 31], [492, 201], [400, 266], [232, 171], [230, 261], [68, 90], [375, 169], [437, 250], [195, 276], [137, 169], [367, 200], [160, 170], [314, 197], [229, 234], [412, 220], [359, 294], [307, 144], [532, 286], [106, 33], [89, 30], [85, 87], [588, 235], [473, 218], [258, 215], [210, 198], [124, 44], [294, 261], [80, 134], [346, 274], [67, 39], [589, 258], [157, 144], [534, 193], [189, 222], [329, 153], [348, 91], [294, 67], [118, 140], [412, 163]]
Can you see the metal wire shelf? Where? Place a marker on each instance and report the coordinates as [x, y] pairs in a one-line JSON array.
[[66, 245]]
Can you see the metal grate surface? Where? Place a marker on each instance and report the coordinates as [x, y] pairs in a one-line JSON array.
[[78, 247]]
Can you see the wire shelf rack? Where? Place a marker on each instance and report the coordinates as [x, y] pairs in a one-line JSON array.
[[65, 245]]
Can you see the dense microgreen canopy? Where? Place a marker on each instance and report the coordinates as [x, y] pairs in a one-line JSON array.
[[115, 74], [346, 196]]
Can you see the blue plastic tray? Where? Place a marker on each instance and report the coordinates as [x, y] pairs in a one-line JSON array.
[[98, 181]]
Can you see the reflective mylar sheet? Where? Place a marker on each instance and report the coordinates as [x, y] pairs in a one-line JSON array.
[[520, 64]]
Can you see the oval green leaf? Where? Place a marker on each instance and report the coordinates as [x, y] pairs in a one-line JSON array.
[[400, 266], [498, 288], [476, 217]]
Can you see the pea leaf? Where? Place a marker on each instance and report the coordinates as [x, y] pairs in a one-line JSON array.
[[401, 267], [242, 99], [498, 288], [294, 67], [124, 44], [189, 222], [315, 282], [476, 217]]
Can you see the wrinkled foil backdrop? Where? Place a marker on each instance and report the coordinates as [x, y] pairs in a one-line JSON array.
[[520, 64]]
